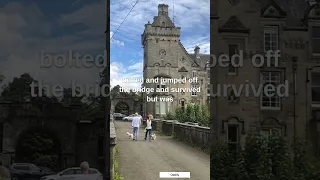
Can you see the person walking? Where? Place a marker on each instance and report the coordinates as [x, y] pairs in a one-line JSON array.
[[136, 122], [148, 129], [84, 166]]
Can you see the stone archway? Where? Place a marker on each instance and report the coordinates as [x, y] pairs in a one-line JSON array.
[[122, 108], [38, 145]]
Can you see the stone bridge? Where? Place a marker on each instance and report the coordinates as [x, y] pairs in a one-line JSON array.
[[196, 136], [126, 105], [76, 139], [177, 148]]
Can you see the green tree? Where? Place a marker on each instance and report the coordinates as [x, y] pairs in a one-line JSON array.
[[115, 91], [18, 90], [256, 155], [264, 158], [192, 113], [279, 153], [37, 146]]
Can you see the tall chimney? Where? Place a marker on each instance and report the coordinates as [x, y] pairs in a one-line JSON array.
[[163, 9], [197, 51]]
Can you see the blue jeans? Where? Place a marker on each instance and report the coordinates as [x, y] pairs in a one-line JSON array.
[[135, 133], [148, 131]]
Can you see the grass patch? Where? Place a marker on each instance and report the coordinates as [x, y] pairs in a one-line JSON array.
[[117, 175]]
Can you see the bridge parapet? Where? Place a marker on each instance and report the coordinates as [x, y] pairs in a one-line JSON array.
[[113, 142], [192, 135]]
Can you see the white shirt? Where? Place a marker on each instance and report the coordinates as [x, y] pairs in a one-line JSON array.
[[136, 121], [149, 125]]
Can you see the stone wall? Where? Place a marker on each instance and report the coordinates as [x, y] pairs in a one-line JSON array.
[[196, 136], [113, 143]]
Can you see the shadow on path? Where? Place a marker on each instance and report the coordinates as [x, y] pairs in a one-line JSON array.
[[143, 160]]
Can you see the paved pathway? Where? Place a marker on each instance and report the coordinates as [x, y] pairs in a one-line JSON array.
[[143, 160]]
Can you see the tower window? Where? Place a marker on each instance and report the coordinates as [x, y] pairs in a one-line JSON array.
[[163, 24], [182, 105]]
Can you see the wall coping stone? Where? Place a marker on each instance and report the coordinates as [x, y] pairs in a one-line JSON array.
[[113, 135], [183, 124]]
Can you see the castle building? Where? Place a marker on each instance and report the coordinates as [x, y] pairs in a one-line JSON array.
[[293, 27], [165, 57]]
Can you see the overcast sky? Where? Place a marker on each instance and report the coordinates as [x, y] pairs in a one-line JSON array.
[[193, 16], [55, 27]]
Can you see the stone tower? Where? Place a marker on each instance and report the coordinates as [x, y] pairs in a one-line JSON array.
[[165, 57], [160, 40]]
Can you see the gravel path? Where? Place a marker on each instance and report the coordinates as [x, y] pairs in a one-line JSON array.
[[143, 160]]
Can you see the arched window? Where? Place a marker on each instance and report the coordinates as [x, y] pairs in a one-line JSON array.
[[182, 104], [163, 24], [162, 53]]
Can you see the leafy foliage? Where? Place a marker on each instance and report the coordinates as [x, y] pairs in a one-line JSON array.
[[264, 158], [192, 113], [116, 93], [38, 147]]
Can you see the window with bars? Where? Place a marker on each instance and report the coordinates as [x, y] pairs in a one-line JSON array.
[[193, 86], [315, 88], [156, 68], [316, 40], [267, 78], [161, 86], [233, 49], [168, 69], [271, 34], [194, 74], [182, 105], [157, 107]]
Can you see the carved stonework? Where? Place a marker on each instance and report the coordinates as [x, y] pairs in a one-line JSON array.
[[162, 53], [232, 98], [234, 2], [295, 44], [270, 122], [272, 9], [233, 25]]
